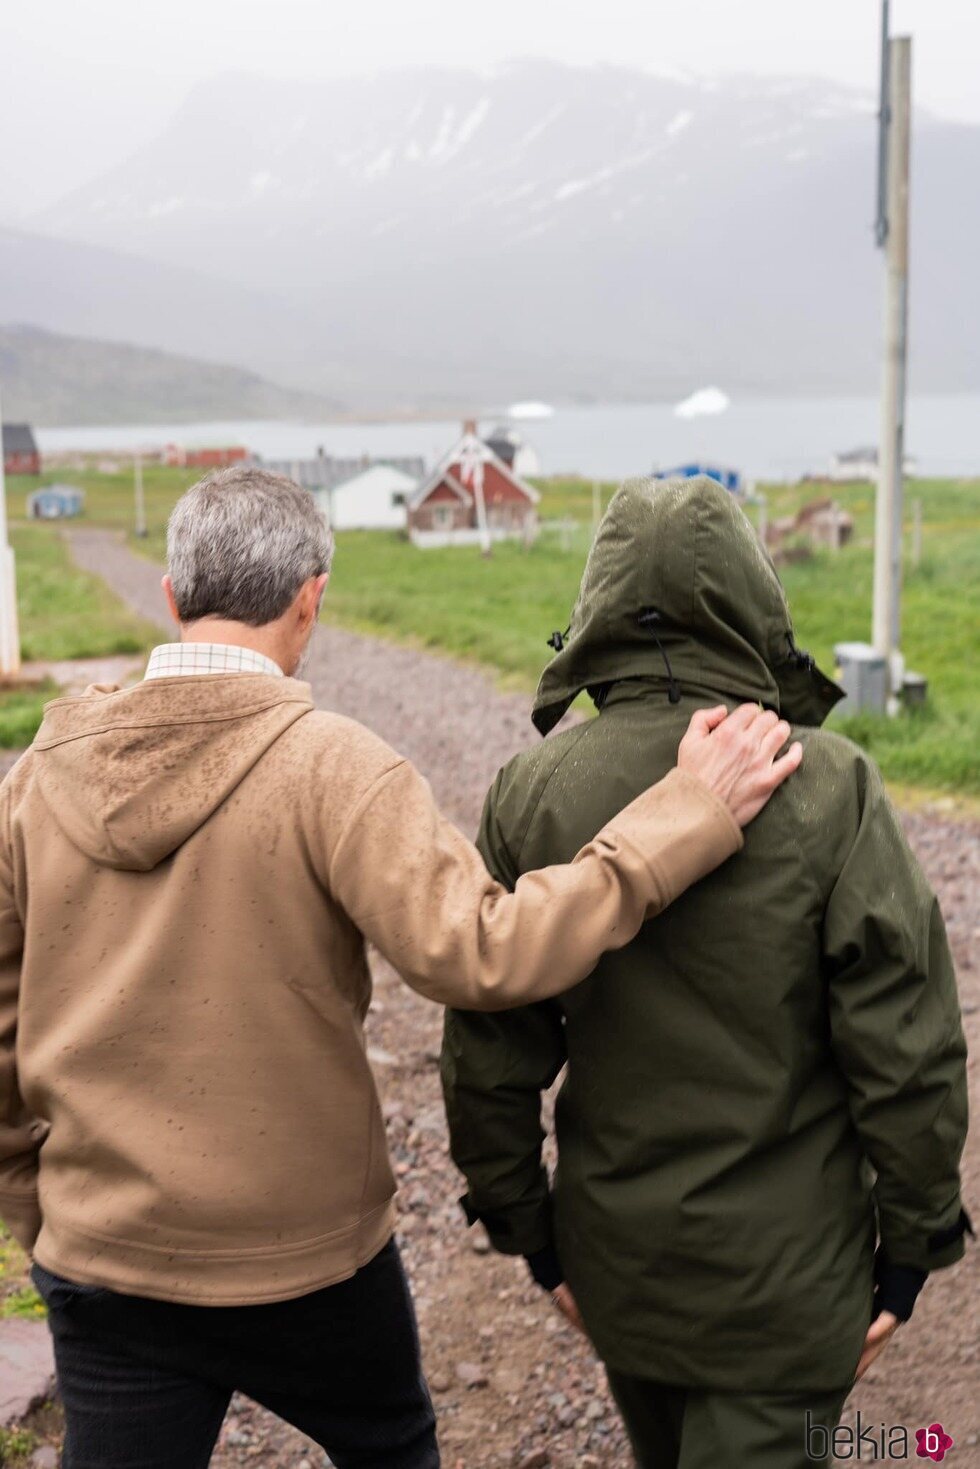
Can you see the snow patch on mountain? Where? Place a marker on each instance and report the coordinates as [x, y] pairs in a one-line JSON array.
[[679, 122]]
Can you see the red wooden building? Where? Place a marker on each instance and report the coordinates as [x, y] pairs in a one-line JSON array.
[[472, 496], [178, 456], [20, 454]]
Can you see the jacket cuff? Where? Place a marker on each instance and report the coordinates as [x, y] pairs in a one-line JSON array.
[[545, 1268], [521, 1228], [21, 1213], [682, 831], [936, 1251]]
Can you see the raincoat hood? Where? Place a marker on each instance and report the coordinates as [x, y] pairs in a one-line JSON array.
[[678, 588], [130, 774]]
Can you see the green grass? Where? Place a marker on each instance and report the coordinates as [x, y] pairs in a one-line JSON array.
[[15, 1445], [499, 612], [21, 711], [17, 1296], [24, 1303], [65, 612]]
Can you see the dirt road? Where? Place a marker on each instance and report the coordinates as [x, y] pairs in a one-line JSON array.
[[510, 1382]]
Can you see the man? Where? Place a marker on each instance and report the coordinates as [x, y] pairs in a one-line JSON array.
[[738, 1070], [190, 1138]]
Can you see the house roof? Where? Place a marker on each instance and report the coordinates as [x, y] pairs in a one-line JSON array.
[[325, 472], [384, 477], [18, 438], [470, 450]]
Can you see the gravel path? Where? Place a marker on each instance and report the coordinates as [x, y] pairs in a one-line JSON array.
[[512, 1384]]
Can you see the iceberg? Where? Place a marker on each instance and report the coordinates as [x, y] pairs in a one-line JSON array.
[[703, 403], [530, 410]]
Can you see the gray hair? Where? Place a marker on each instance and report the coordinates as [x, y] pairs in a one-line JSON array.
[[241, 543]]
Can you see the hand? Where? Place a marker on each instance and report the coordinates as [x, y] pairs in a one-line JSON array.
[[565, 1302], [880, 1333], [734, 755]]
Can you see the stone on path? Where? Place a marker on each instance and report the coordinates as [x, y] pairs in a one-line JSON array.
[[26, 1368]]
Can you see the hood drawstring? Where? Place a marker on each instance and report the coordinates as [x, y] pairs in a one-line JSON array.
[[557, 639], [650, 620], [798, 656]]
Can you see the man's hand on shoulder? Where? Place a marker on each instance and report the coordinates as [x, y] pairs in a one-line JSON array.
[[737, 756]]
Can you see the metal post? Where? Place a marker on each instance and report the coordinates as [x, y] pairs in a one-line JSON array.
[[884, 118], [138, 491], [9, 629], [886, 621]]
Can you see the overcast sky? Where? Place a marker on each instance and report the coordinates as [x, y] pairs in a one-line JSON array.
[[83, 83]]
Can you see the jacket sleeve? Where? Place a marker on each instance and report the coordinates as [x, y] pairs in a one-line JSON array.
[[494, 1069], [18, 1137], [897, 1036], [421, 893]]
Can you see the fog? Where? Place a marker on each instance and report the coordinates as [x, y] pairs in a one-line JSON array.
[[83, 85]]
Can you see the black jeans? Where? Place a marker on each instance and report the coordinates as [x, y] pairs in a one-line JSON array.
[[145, 1384]]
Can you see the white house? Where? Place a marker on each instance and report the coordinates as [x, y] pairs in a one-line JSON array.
[[375, 499], [861, 464]]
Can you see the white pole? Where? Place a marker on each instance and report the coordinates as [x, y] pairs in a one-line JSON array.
[[486, 545], [886, 619], [138, 490], [9, 630]]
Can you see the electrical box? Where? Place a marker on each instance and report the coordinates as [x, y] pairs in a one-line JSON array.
[[862, 673]]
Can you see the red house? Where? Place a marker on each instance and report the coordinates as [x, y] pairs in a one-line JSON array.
[[179, 457], [472, 497], [20, 455]]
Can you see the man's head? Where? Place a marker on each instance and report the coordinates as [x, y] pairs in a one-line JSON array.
[[248, 556]]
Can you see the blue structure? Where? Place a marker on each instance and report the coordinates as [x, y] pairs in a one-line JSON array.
[[56, 502], [730, 479]]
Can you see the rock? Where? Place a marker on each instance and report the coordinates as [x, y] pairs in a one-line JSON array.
[[479, 1243], [439, 1382], [471, 1374], [26, 1367], [46, 1457], [536, 1459]]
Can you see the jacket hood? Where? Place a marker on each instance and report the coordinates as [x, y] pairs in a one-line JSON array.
[[678, 588], [130, 774]]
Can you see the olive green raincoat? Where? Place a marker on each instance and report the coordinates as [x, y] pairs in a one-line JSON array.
[[774, 1069]]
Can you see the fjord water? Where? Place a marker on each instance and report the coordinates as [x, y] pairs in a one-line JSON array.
[[776, 438]]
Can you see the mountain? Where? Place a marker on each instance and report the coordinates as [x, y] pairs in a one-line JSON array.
[[50, 379], [540, 230]]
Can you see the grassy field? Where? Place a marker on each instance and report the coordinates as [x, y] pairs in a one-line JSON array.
[[499, 612], [65, 612]]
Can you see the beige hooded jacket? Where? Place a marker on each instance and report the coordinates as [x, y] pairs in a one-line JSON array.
[[189, 871]]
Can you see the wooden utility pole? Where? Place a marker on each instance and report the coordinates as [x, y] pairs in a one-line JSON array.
[[138, 492], [9, 628], [886, 619]]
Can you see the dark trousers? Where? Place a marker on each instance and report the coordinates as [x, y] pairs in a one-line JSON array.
[[691, 1428], [145, 1384]]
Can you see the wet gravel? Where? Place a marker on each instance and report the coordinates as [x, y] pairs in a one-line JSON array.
[[513, 1385]]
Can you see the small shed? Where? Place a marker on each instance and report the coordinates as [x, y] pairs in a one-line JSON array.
[[729, 479], [55, 502], [375, 499], [20, 452]]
